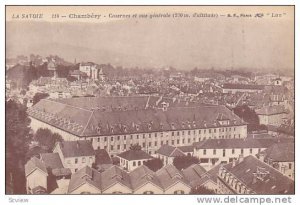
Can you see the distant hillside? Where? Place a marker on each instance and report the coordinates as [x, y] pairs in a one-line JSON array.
[[159, 43]]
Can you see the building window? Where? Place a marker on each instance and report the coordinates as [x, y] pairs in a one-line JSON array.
[[105, 139], [148, 192], [179, 192], [98, 139], [178, 133], [224, 152], [167, 142], [139, 163], [124, 137], [112, 139], [242, 151], [83, 160], [75, 170], [214, 151], [209, 130], [134, 164], [215, 130], [155, 134], [199, 131], [131, 137], [111, 147], [189, 140], [144, 145], [189, 132], [290, 165], [124, 146], [204, 152], [250, 150], [76, 160], [232, 151], [149, 144], [118, 147], [172, 142], [118, 137], [155, 143], [137, 137], [143, 136], [182, 141], [172, 133], [178, 142]]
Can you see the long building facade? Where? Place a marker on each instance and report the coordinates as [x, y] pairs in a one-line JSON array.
[[116, 123]]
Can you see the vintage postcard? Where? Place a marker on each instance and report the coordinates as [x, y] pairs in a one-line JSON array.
[[150, 100]]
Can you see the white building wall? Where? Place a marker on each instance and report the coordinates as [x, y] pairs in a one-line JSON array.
[[36, 178], [178, 186], [149, 187], [86, 188]]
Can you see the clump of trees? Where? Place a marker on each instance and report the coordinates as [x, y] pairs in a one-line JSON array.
[[38, 96], [249, 116], [18, 138], [46, 138], [154, 164], [182, 162]]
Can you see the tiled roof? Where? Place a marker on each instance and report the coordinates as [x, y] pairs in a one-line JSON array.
[[170, 151], [82, 121], [274, 183], [33, 164], [85, 175], [235, 143], [169, 175], [194, 174], [102, 157], [61, 172], [78, 148], [51, 160], [134, 155], [187, 148], [143, 175], [281, 152], [114, 175], [271, 110]]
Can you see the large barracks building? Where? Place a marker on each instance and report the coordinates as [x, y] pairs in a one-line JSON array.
[[116, 123]]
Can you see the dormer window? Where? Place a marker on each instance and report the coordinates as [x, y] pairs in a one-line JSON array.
[[137, 127]]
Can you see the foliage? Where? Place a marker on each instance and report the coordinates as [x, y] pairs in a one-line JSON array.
[[154, 164], [38, 96], [135, 147], [17, 141], [201, 190], [46, 138], [183, 162], [249, 116]]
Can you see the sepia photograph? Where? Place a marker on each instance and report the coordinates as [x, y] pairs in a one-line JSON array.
[[138, 100]]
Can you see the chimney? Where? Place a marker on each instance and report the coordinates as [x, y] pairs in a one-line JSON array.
[[254, 178], [234, 162], [241, 158]]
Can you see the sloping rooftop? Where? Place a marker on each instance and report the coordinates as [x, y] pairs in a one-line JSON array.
[[51, 160], [79, 148], [102, 157], [235, 143], [271, 110], [134, 155], [169, 175], [194, 174], [142, 175], [77, 117], [281, 152], [273, 183], [85, 175], [170, 151], [33, 164]]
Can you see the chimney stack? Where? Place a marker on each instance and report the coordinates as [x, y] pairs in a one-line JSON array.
[[241, 158], [254, 178], [234, 162]]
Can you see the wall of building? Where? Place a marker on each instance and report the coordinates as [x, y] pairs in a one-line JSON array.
[[118, 188], [36, 178], [179, 186], [149, 187], [86, 188]]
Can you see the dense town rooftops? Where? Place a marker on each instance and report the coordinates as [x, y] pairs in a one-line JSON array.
[[283, 152], [242, 86], [80, 121], [80, 148], [271, 110], [260, 177]]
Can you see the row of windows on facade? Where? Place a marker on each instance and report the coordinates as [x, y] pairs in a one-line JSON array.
[[172, 133], [173, 142], [232, 151], [134, 163], [76, 160], [234, 183]]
